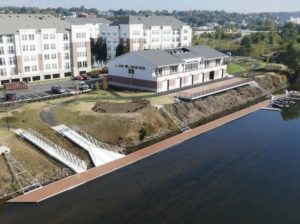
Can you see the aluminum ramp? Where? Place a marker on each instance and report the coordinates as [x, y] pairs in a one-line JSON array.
[[99, 155], [55, 151]]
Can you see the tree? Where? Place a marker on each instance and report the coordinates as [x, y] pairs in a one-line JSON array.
[[245, 45], [121, 49], [292, 59]]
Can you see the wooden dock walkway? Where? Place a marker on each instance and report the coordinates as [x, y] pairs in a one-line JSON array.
[[94, 173]]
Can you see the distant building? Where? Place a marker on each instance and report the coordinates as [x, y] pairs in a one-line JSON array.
[[164, 70], [146, 32], [295, 20]]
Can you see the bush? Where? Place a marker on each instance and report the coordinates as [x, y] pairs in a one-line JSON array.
[[143, 132]]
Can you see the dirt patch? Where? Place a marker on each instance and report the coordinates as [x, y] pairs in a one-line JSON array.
[[130, 107]]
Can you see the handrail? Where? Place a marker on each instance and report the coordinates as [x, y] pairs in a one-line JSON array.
[[215, 89]]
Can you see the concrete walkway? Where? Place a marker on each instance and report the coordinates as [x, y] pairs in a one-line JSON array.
[[82, 178]]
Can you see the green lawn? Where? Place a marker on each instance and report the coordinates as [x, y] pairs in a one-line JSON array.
[[234, 68]]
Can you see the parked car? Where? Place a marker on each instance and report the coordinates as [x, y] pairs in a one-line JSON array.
[[81, 77], [11, 97], [82, 85], [57, 89]]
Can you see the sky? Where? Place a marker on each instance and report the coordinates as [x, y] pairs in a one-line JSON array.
[[227, 5]]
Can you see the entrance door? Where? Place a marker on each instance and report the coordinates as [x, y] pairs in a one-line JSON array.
[[165, 86], [212, 75]]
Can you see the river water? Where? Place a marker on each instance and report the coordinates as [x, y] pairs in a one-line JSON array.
[[245, 172]]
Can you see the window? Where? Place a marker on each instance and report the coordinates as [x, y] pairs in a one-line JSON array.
[[26, 58], [158, 71], [31, 37], [1, 50], [174, 69], [2, 61], [66, 46], [24, 37], [81, 44], [52, 36], [1, 39], [3, 72], [27, 68], [67, 65], [80, 35], [82, 54], [25, 48], [32, 47], [48, 66], [53, 56], [46, 56], [53, 46], [34, 68], [46, 46], [54, 66], [9, 39], [131, 71], [185, 31], [67, 56], [191, 66], [185, 38], [11, 50], [82, 64], [66, 37], [12, 61], [45, 36], [33, 57]]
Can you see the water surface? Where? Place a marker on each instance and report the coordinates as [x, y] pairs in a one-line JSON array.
[[245, 172]]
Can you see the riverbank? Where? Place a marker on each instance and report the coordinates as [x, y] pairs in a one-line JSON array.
[[79, 179]]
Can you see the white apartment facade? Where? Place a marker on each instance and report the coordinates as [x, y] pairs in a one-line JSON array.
[[165, 70], [42, 47], [140, 33]]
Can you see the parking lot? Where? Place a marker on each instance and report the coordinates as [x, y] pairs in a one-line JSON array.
[[42, 90]]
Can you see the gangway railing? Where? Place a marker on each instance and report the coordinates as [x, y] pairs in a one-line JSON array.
[[25, 181], [98, 156], [97, 143], [203, 93], [180, 124], [54, 150]]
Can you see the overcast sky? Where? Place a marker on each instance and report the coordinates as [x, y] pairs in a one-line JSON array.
[[227, 5]]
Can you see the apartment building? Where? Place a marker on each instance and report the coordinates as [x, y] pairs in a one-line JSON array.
[[146, 32], [41, 47], [164, 70]]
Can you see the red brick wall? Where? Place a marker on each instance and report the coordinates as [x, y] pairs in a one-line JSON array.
[[134, 82]]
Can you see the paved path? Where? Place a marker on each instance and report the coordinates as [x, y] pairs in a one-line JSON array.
[[79, 179]]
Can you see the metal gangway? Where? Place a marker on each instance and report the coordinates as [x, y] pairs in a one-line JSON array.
[[180, 124], [25, 181], [55, 151], [99, 152]]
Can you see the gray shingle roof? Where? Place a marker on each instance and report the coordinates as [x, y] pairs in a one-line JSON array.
[[206, 52], [12, 23], [83, 21], [156, 57], [149, 21]]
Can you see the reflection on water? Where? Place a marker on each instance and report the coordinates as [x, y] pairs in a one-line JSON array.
[[246, 172], [291, 113]]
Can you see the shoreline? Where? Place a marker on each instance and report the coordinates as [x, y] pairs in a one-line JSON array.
[[76, 180]]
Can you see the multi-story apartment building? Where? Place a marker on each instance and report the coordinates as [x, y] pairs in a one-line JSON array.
[[40, 47], [146, 32]]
